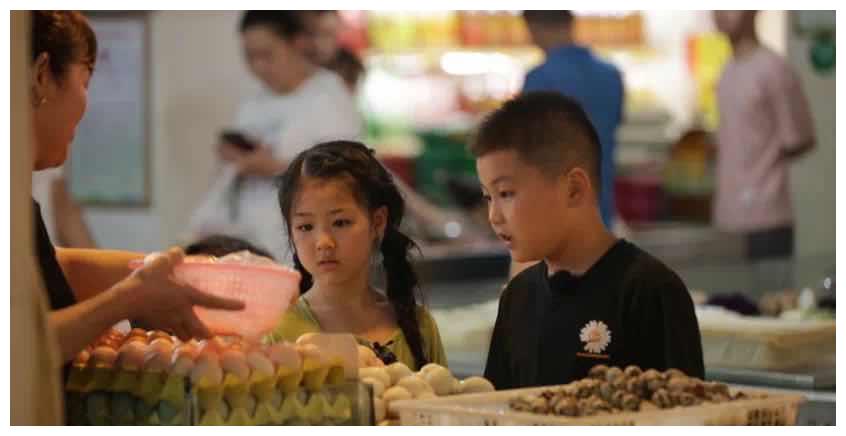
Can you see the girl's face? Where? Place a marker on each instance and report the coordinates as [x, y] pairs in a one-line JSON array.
[[333, 234]]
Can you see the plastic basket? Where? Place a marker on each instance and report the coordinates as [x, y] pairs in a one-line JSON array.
[[267, 292], [493, 409]]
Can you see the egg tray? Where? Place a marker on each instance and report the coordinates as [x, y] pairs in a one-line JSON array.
[[177, 402], [761, 408]]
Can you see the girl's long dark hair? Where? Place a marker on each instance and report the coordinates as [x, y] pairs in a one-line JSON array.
[[374, 188]]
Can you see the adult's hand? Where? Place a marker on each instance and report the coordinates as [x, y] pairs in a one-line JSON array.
[[157, 299]]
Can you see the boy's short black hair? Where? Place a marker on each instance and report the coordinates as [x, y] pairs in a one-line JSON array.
[[547, 130], [285, 24], [547, 17], [221, 245]]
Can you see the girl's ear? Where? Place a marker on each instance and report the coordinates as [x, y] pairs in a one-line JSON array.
[[380, 221]]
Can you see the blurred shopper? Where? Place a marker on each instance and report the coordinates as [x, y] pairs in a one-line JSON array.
[[323, 27], [765, 124], [573, 70], [300, 104], [349, 67]]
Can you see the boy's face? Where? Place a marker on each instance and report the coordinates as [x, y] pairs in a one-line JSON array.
[[527, 209]]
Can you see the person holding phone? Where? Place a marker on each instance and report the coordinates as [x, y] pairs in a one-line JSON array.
[[299, 104]]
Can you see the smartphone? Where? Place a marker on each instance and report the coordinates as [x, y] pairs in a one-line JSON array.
[[237, 139]]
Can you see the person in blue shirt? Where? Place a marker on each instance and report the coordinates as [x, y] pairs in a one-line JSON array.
[[574, 71]]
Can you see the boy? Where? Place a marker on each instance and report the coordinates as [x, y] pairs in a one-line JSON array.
[[593, 299]]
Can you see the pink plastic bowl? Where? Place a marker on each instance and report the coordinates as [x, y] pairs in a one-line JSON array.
[[267, 292]]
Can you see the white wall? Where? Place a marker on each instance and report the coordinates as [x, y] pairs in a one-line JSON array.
[[813, 178], [198, 77]]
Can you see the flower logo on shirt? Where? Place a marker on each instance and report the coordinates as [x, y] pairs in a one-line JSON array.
[[596, 336]]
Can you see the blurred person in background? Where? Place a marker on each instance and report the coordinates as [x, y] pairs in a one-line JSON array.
[[300, 103], [323, 27], [573, 70], [349, 67], [765, 125]]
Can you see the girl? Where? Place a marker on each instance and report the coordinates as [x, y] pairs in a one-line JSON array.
[[343, 212]]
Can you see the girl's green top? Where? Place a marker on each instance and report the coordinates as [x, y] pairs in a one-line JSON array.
[[300, 319]]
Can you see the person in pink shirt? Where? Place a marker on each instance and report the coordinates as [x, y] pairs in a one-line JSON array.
[[765, 124]]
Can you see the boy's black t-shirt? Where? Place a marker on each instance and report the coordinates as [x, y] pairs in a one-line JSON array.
[[627, 309]]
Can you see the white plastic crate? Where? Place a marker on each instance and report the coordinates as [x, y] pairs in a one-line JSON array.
[[493, 409]]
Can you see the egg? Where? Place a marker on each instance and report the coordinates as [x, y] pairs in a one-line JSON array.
[[160, 345], [380, 374], [138, 339], [367, 358], [396, 393], [379, 409], [157, 358], [235, 363], [377, 385], [415, 385], [428, 367], [284, 355], [186, 349], [208, 369], [111, 343], [220, 343], [398, 371], [311, 352], [159, 334], [473, 385], [183, 359], [82, 358], [182, 366], [306, 338], [115, 334], [426, 396], [441, 380], [131, 356], [259, 363], [103, 357]]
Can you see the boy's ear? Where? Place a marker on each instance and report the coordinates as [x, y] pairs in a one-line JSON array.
[[380, 221], [578, 186]]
